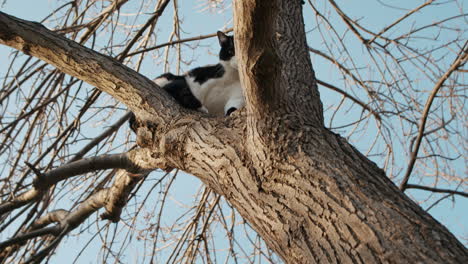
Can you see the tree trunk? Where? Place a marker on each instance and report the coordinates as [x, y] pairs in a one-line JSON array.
[[309, 194], [312, 196]]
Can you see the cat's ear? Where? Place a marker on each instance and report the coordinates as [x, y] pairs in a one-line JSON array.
[[223, 38]]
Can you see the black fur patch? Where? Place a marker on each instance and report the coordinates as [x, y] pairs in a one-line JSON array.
[[179, 89], [203, 74], [169, 76]]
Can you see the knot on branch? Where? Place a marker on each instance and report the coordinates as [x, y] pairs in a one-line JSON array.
[[167, 140], [144, 137]]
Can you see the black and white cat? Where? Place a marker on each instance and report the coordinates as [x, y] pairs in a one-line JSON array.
[[213, 89]]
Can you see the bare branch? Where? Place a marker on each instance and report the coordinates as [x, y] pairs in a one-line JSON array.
[[357, 101], [201, 37], [399, 20], [20, 239], [459, 61], [348, 21], [436, 190], [113, 128], [103, 162], [113, 199], [148, 23]]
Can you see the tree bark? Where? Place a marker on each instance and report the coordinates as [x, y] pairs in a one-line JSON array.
[[309, 194]]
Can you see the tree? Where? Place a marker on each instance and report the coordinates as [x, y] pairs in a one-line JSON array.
[[309, 194]]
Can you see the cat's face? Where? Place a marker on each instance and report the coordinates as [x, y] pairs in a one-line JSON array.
[[227, 52]]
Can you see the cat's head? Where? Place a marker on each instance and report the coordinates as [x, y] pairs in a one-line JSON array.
[[227, 52]]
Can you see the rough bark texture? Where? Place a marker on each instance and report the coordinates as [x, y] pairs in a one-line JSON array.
[[305, 190]]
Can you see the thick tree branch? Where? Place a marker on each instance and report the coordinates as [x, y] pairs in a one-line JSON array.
[[118, 194], [55, 216], [139, 93]]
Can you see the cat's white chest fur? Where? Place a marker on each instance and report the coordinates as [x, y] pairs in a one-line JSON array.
[[218, 95]]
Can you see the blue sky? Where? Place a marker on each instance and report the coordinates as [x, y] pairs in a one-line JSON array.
[[453, 215]]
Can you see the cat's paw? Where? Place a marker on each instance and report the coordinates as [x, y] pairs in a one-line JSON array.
[[230, 110], [203, 109]]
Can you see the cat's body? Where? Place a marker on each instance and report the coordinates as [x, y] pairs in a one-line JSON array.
[[214, 89]]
